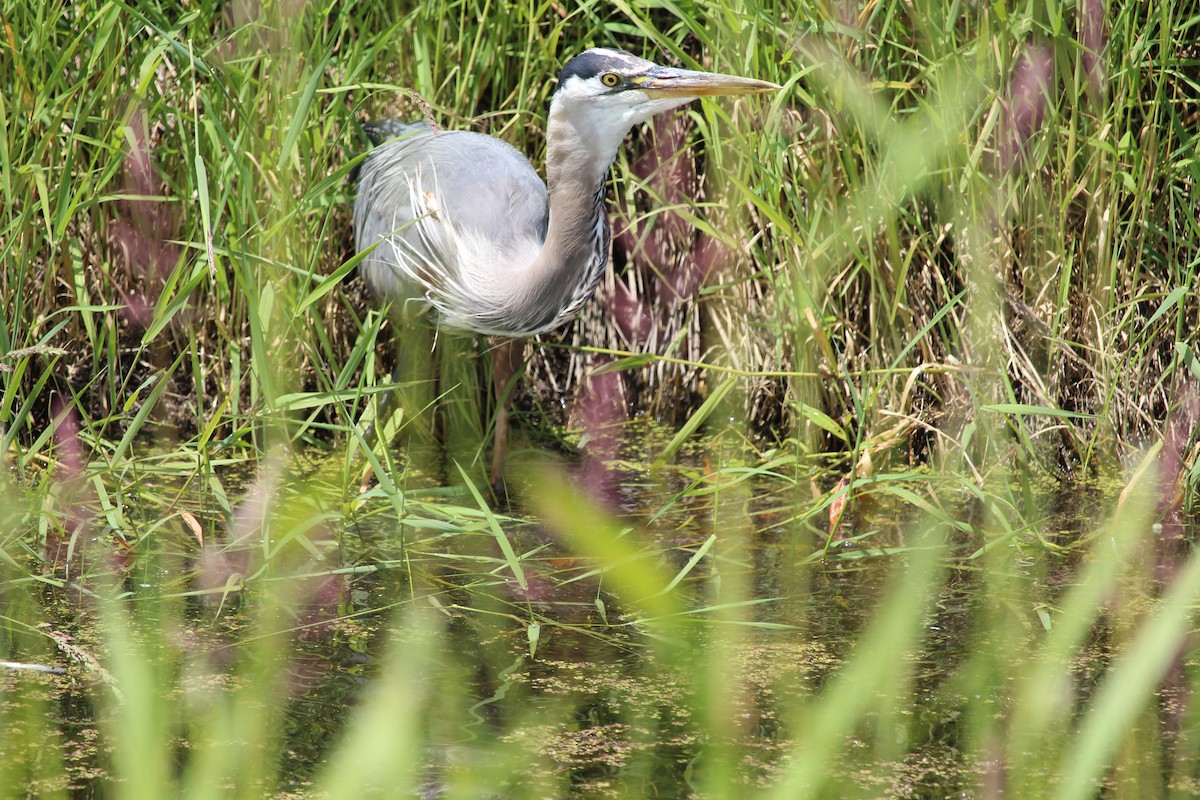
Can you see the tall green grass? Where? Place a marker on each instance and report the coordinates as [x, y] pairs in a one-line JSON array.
[[952, 261]]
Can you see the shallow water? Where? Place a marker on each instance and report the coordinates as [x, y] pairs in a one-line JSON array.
[[562, 687]]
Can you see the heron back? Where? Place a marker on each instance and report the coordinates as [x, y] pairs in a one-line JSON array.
[[459, 216]]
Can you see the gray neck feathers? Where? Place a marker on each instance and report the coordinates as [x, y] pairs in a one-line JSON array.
[[575, 252]]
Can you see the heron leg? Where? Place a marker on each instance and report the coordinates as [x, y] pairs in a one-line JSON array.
[[507, 358], [463, 414], [416, 377]]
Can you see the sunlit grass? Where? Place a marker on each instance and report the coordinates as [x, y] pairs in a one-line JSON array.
[[951, 263]]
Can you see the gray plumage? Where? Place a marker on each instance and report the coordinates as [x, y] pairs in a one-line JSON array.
[[462, 222], [442, 204]]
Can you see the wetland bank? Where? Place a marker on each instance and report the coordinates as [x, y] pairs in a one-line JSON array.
[[869, 472]]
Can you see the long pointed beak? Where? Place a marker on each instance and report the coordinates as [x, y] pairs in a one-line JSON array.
[[662, 82]]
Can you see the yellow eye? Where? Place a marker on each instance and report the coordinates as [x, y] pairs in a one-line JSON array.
[[610, 79]]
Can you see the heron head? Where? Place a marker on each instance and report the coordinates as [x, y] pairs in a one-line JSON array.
[[604, 93]]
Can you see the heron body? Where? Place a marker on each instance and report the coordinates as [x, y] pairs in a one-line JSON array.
[[461, 222], [462, 217]]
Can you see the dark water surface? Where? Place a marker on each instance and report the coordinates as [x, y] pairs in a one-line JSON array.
[[562, 678]]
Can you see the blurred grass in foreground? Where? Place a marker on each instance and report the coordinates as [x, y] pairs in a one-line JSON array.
[[953, 262]]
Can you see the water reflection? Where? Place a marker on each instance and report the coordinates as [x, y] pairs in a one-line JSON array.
[[550, 685]]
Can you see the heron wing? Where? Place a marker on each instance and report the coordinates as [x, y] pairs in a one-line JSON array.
[[457, 214]]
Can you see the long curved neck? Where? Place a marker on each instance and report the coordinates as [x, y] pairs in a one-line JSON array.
[[573, 257]]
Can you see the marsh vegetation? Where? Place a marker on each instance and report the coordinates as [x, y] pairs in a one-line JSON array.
[[869, 472]]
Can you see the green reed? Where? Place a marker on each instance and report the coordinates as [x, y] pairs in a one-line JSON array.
[[929, 307]]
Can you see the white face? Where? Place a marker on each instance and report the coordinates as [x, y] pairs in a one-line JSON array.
[[631, 105], [603, 93], [604, 106]]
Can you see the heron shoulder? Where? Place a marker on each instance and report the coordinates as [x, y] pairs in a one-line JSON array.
[[380, 130], [460, 211], [479, 181]]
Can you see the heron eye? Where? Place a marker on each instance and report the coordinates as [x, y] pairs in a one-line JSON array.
[[610, 79]]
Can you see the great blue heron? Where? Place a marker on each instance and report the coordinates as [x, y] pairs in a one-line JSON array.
[[462, 222]]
